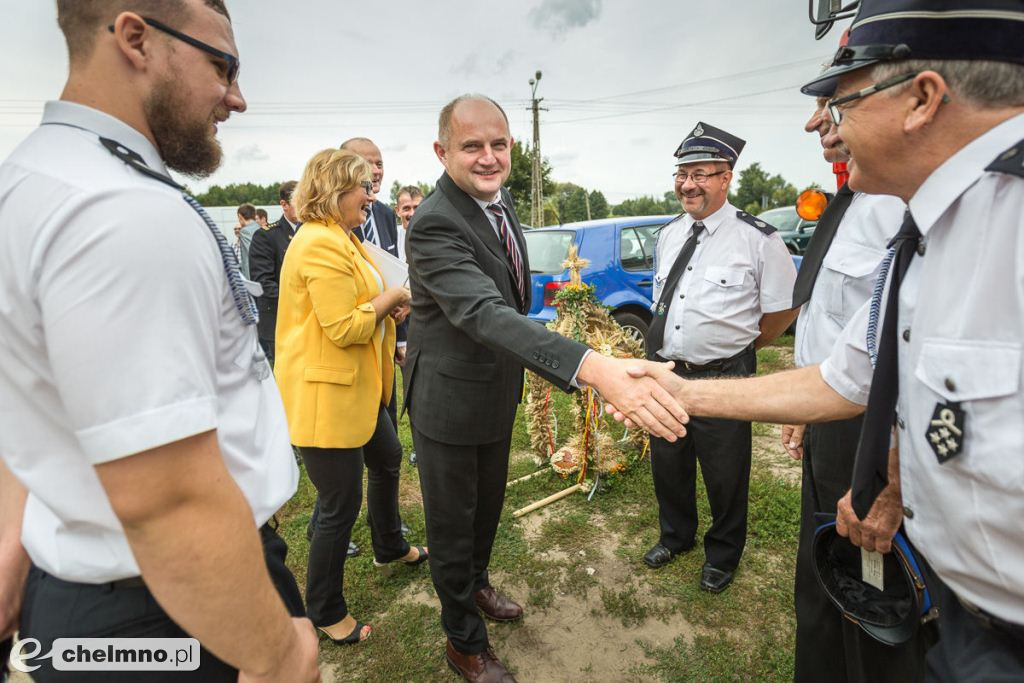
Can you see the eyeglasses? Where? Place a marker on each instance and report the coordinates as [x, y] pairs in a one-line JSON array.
[[834, 106], [230, 65], [367, 186], [698, 177]]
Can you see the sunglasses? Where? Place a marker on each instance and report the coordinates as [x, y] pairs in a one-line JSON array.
[[230, 64]]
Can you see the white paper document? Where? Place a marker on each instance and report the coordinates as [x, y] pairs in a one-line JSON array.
[[872, 569], [392, 269]]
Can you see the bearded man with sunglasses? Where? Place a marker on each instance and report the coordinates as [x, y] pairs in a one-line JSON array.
[[143, 435], [722, 288]]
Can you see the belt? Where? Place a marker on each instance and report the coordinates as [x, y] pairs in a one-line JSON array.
[[119, 584], [715, 365], [992, 622]]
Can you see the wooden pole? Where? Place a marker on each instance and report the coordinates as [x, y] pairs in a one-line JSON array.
[[528, 476], [547, 501]]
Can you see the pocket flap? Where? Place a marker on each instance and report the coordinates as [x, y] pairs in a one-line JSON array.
[[461, 369], [969, 369], [319, 373], [724, 277], [855, 260]]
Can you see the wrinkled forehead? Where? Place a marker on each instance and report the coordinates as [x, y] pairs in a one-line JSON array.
[[701, 166]]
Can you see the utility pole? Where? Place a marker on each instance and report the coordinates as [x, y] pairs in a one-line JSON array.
[[537, 185], [586, 196]]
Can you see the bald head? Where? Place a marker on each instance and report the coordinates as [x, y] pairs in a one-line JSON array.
[[365, 148], [444, 121]]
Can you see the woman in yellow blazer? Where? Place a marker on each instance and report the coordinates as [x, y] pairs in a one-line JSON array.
[[335, 365]]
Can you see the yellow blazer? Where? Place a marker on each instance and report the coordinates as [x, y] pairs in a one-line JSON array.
[[332, 366]]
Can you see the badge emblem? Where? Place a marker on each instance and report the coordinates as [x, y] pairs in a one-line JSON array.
[[661, 309], [945, 433], [698, 131]]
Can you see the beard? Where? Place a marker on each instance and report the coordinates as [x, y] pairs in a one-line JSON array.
[[187, 146]]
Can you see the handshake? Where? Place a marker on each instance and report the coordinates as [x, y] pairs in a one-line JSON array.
[[638, 392]]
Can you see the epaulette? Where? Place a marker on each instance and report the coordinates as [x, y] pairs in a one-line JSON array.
[[662, 227], [756, 222], [1011, 161]]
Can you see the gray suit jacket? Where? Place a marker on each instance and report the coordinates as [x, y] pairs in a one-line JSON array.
[[469, 337]]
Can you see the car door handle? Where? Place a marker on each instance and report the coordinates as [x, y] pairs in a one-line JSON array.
[[646, 283]]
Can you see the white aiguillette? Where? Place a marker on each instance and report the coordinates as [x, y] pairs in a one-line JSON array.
[[392, 269], [872, 569]]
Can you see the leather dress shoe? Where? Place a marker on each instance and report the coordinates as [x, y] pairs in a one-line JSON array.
[[497, 606], [658, 556], [482, 668], [714, 580], [353, 549]]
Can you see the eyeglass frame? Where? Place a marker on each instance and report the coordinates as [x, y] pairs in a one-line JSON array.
[[233, 63], [693, 176], [367, 186], [834, 105]]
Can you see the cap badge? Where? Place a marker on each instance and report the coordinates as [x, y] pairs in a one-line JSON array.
[[698, 131]]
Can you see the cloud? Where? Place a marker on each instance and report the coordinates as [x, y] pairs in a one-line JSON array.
[[251, 153], [558, 17], [472, 65], [468, 66], [505, 61]]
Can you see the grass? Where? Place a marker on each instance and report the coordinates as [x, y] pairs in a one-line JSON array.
[[547, 560]]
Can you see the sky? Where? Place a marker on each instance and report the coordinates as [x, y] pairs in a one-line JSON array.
[[623, 82]]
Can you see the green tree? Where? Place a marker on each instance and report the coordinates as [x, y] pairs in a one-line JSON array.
[[599, 207], [757, 191], [519, 182], [239, 193], [639, 206]]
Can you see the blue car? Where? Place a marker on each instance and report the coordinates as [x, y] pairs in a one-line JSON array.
[[621, 268]]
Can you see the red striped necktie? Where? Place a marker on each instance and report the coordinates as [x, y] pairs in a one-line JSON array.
[[511, 248]]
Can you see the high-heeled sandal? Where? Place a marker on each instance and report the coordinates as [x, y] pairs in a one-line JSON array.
[[353, 638], [422, 557]]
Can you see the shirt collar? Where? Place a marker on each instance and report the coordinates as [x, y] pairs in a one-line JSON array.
[[484, 204], [950, 180], [712, 222], [104, 125]]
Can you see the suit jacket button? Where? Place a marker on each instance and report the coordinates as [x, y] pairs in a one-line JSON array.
[[536, 355], [555, 364]]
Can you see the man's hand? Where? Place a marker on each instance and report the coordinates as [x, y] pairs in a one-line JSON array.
[[875, 532], [636, 396], [660, 372], [14, 562], [301, 660], [400, 356], [793, 440]]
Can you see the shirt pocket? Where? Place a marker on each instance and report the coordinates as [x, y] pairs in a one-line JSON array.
[[845, 277], [984, 377], [723, 292]]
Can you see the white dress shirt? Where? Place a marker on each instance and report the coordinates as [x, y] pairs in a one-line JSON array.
[[960, 323], [119, 334], [847, 274], [736, 275]]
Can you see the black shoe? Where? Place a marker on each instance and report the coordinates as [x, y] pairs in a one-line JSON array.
[[658, 556], [353, 549], [412, 458], [405, 527], [714, 580]]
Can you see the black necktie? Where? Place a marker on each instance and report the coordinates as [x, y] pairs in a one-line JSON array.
[[828, 225], [871, 468], [656, 333]]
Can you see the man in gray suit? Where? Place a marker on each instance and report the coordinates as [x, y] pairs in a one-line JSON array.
[[468, 343]]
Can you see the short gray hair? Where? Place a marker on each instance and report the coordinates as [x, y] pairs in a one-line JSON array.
[[444, 121], [983, 84]]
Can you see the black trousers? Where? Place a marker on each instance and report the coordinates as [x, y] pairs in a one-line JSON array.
[[829, 647], [54, 608], [463, 491], [337, 474], [969, 651], [723, 449]]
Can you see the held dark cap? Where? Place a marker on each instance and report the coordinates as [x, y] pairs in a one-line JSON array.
[[707, 143], [890, 30], [890, 616]]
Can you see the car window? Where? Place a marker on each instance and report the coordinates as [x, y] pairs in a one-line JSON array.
[[547, 249], [631, 251], [648, 235], [784, 219]]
